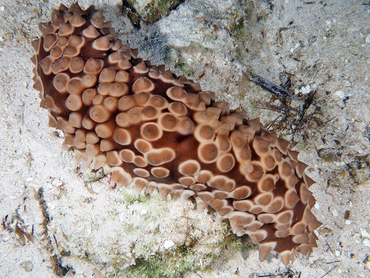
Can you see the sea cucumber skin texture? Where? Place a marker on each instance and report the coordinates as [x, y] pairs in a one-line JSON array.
[[152, 129]]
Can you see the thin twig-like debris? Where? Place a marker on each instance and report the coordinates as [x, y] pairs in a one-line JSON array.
[[271, 87]]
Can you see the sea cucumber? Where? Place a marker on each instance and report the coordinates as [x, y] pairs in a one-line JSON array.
[[152, 129]]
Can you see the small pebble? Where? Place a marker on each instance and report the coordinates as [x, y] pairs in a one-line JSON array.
[[27, 266], [366, 242], [57, 183], [347, 83], [143, 212], [305, 90], [347, 214], [298, 44], [367, 39], [364, 233], [339, 94], [333, 211], [168, 244]]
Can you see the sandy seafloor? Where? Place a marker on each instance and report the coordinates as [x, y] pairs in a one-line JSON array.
[[51, 218]]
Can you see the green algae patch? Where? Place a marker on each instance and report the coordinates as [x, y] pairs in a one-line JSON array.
[[153, 10], [188, 257], [172, 264], [130, 198], [90, 176]]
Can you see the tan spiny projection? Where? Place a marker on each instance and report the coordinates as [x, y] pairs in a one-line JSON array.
[[148, 127]]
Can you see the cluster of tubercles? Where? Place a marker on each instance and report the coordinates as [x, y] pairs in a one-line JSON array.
[[154, 130]]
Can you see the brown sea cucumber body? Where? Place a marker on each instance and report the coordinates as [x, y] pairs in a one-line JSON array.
[[150, 128]]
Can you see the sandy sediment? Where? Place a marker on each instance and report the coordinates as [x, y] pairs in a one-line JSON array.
[[57, 221]]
